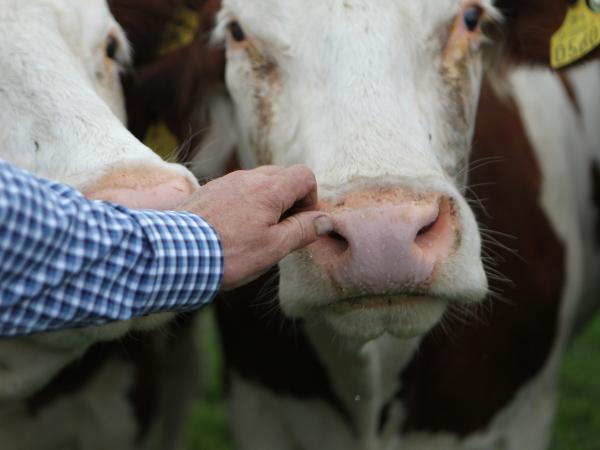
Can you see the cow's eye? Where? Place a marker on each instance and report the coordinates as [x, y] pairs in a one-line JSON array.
[[112, 47], [472, 17], [236, 31]]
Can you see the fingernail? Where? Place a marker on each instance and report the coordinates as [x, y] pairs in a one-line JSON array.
[[323, 225]]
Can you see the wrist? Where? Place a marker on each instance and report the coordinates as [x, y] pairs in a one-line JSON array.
[[187, 260]]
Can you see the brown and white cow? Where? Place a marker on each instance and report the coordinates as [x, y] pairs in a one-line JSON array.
[[379, 98], [62, 117]]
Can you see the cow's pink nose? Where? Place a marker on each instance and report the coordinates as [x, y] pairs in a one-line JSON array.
[[387, 248]]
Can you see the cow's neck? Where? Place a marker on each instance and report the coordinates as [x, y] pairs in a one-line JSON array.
[[364, 374], [463, 383], [306, 362]]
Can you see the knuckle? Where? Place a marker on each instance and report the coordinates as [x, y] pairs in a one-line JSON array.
[[306, 176], [305, 171], [298, 230], [274, 248]]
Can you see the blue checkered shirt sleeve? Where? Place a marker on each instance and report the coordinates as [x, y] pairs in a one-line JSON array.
[[68, 262]]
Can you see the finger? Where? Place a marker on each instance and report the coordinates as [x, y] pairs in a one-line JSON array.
[[300, 230], [265, 171], [268, 170], [297, 187]]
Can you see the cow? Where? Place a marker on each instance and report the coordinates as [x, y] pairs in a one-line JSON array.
[[182, 88], [62, 116], [432, 127]]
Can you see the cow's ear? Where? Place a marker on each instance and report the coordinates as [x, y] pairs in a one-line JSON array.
[[175, 66], [170, 89], [158, 90], [528, 28], [138, 17]]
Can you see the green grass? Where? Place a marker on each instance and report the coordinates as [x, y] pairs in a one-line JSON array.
[[208, 428], [578, 419]]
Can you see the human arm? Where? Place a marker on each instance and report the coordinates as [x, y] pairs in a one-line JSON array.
[[68, 262]]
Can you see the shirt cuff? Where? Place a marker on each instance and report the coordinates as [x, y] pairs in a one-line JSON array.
[[187, 265]]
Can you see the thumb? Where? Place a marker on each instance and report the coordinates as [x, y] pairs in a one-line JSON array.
[[302, 229]]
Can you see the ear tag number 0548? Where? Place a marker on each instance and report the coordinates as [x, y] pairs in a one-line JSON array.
[[578, 35]]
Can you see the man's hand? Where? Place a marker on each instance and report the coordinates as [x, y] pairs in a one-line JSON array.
[[262, 215]]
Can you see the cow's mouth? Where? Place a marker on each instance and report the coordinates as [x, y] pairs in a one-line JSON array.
[[382, 301], [368, 317]]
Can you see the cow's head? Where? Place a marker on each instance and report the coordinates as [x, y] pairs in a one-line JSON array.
[[379, 99], [61, 107]]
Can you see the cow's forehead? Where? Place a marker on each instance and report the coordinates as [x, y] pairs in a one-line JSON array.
[[324, 27], [280, 14], [307, 7], [80, 8]]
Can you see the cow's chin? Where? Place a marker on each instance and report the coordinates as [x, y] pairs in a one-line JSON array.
[[365, 318], [305, 292], [368, 318]]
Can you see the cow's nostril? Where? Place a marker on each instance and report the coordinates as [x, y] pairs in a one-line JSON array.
[[337, 236], [339, 244], [427, 228], [435, 236]]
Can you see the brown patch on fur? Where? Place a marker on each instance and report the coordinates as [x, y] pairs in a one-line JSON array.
[[458, 232], [457, 88], [457, 50], [170, 87], [146, 353], [528, 28], [266, 78], [261, 345], [141, 353], [460, 54], [262, 66], [137, 17], [459, 384], [72, 378]]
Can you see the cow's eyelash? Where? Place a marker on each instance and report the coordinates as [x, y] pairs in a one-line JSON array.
[[491, 25], [219, 35], [491, 18], [120, 51]]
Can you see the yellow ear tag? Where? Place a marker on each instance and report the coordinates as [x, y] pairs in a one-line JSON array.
[[160, 139], [181, 31], [578, 35]]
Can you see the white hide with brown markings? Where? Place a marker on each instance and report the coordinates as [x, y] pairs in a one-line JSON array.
[[566, 143], [378, 98], [62, 117]]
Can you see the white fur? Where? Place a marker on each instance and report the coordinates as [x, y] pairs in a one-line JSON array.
[[96, 418], [61, 116], [356, 96], [565, 144], [218, 147]]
